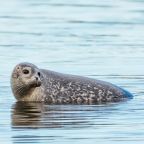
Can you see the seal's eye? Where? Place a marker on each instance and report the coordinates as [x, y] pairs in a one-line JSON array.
[[25, 71]]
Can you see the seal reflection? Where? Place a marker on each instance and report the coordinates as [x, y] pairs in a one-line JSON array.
[[53, 121], [40, 115], [26, 114]]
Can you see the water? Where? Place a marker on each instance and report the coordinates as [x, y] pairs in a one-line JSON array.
[[99, 39]]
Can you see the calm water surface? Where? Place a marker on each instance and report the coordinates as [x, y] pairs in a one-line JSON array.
[[94, 38]]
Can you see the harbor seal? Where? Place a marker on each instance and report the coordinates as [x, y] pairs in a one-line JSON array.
[[31, 84]]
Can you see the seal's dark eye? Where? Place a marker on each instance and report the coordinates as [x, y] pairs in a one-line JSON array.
[[25, 71]]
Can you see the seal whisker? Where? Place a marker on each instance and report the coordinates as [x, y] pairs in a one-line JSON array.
[[20, 90]]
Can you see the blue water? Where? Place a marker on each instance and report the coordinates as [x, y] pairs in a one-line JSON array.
[[102, 39]]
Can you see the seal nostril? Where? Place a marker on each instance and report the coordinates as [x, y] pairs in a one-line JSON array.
[[36, 78], [39, 74]]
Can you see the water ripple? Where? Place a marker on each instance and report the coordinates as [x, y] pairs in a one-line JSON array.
[[98, 39]]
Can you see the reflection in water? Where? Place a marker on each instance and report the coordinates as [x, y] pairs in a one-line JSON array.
[[25, 114], [41, 123], [39, 115]]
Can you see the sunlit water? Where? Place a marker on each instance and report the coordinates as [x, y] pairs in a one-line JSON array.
[[103, 39]]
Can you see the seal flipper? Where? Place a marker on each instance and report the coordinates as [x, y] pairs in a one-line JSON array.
[[127, 94]]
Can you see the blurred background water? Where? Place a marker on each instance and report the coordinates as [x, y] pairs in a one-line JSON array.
[[94, 38]]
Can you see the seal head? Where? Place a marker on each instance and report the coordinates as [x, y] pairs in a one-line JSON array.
[[25, 78]]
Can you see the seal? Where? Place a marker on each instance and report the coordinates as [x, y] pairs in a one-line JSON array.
[[31, 84]]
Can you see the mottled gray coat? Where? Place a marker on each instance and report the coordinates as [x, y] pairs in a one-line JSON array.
[[57, 88]]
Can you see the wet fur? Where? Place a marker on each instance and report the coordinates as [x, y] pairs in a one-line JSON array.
[[57, 88]]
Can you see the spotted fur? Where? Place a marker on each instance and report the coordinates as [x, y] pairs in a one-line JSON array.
[[58, 88]]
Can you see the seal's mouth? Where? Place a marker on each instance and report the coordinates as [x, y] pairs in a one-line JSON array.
[[38, 83]]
